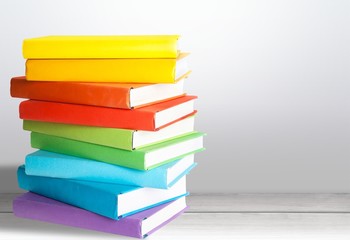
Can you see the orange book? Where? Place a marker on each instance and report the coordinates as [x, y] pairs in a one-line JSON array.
[[115, 95], [122, 70], [149, 118]]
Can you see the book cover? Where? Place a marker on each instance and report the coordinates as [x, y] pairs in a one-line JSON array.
[[112, 137], [133, 46], [142, 159], [114, 201], [164, 70], [49, 164], [140, 225], [115, 95], [149, 118]]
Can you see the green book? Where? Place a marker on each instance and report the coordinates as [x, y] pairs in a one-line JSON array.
[[142, 159], [112, 137]]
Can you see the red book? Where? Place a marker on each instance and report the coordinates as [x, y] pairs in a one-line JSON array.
[[116, 95], [149, 118]]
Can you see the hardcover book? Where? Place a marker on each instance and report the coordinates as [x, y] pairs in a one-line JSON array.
[[115, 95], [142, 159], [108, 70], [140, 225], [149, 118], [49, 164], [112, 137], [137, 46], [110, 200]]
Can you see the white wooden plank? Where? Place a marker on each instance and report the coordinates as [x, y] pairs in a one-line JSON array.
[[249, 202], [269, 202], [202, 226], [6, 201]]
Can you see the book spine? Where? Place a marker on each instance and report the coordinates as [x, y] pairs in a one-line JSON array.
[[112, 137], [131, 159], [75, 217], [86, 115], [85, 169], [70, 192], [75, 93], [102, 70], [140, 47]]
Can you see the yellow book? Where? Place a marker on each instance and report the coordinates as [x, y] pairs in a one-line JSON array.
[[148, 46], [165, 70]]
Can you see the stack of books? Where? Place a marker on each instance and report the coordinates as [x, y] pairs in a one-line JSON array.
[[114, 128]]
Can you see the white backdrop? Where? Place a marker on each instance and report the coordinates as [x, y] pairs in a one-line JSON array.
[[272, 79]]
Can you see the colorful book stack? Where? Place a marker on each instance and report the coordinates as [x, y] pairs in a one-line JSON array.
[[114, 129]]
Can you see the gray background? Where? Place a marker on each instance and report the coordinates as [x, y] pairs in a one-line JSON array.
[[272, 79]]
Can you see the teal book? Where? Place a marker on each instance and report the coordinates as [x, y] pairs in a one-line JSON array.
[[142, 159], [49, 164], [114, 201]]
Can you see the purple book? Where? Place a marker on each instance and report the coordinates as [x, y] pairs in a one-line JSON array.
[[140, 225]]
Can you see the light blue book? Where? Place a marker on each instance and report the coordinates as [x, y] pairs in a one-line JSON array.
[[110, 200], [49, 164]]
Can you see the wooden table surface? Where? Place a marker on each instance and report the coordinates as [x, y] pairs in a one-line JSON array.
[[218, 216]]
